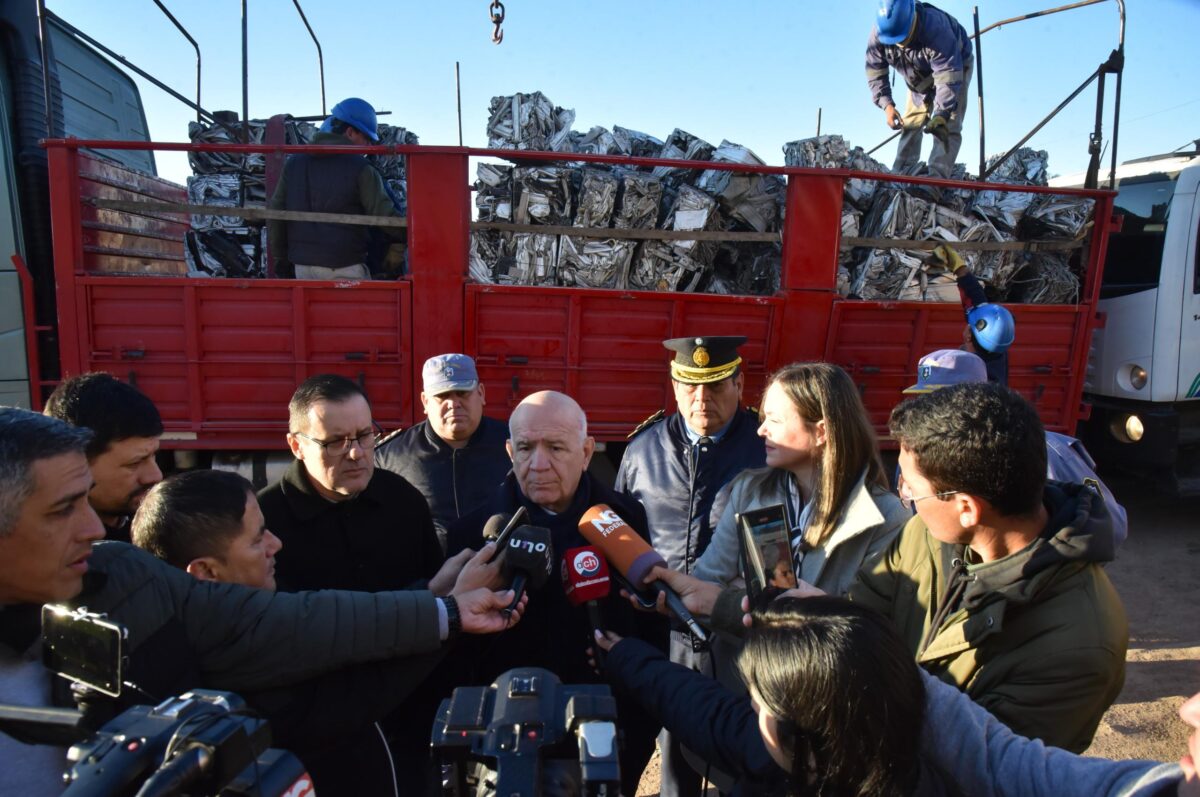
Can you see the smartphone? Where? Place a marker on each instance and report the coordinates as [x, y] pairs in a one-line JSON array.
[[84, 648], [766, 550]]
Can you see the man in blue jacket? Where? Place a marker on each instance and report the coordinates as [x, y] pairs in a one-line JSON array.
[[931, 50]]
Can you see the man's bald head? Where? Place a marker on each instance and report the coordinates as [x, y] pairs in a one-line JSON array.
[[550, 448]]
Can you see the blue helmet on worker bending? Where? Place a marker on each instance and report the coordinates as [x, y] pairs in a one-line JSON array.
[[992, 326], [895, 20], [358, 114]]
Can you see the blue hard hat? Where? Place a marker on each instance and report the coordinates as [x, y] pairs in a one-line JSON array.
[[358, 114], [992, 326], [894, 20]]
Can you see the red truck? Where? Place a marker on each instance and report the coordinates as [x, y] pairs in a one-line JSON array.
[[220, 357]]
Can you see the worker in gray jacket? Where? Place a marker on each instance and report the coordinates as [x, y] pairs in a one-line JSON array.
[[932, 52]]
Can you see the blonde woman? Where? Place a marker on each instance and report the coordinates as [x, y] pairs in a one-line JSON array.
[[824, 467]]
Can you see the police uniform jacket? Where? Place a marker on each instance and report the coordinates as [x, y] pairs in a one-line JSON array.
[[454, 481], [680, 483]]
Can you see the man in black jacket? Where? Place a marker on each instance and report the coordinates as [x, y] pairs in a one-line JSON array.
[[676, 468], [183, 633], [456, 457], [126, 429], [550, 450]]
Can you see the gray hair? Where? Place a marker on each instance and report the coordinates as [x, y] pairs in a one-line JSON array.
[[25, 438]]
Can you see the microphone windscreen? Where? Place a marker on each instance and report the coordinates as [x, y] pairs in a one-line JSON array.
[[491, 529], [621, 545], [585, 575], [530, 551]]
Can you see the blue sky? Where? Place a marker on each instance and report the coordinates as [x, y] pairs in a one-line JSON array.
[[753, 72]]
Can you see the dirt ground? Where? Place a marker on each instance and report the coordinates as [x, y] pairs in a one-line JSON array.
[[1157, 573]]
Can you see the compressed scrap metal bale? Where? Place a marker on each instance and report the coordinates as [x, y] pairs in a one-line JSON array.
[[694, 210], [494, 192], [545, 195], [681, 145], [597, 199], [233, 163], [225, 252], [660, 267], [392, 167], [634, 143], [489, 257], [597, 141], [832, 152], [594, 262], [533, 259], [1005, 208], [638, 202], [220, 191], [747, 269], [527, 121], [1047, 278], [754, 200], [1056, 216]]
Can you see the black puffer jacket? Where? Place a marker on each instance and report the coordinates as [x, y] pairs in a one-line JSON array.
[[680, 484], [454, 481]]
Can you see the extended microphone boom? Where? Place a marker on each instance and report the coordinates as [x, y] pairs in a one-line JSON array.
[[632, 557]]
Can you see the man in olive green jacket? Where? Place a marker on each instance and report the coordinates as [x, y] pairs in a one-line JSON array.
[[997, 583]]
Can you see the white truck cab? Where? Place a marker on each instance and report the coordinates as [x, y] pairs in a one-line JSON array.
[[1143, 380]]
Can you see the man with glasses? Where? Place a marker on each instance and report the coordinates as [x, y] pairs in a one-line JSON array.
[[997, 584], [345, 524]]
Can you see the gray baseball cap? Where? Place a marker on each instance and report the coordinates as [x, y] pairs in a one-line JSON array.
[[447, 372]]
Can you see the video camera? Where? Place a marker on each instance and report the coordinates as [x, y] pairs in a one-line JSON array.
[[200, 743], [528, 734]]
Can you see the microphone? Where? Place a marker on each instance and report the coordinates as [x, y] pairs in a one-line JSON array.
[[497, 529], [494, 525], [528, 559], [632, 557], [585, 581]]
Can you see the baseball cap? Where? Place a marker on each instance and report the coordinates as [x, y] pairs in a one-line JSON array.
[[447, 372], [947, 367]]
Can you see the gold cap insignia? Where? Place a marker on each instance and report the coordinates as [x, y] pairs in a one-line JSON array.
[[700, 356]]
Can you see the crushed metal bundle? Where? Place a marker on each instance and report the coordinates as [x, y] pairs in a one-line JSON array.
[[219, 191], [225, 252], [527, 121], [597, 198], [489, 255], [533, 260], [545, 195], [392, 166], [635, 144], [231, 133], [746, 269], [594, 262], [639, 202], [681, 145], [832, 152], [755, 200], [494, 192], [1024, 167], [1047, 278], [597, 141], [694, 210], [1057, 216], [660, 267]]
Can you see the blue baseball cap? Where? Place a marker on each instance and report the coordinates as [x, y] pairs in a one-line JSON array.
[[947, 367], [448, 372]]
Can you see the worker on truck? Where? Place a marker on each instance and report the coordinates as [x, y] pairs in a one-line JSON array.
[[319, 183], [990, 329], [932, 51]]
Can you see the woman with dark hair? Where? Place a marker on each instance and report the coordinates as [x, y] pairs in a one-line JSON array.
[[836, 703], [824, 468]]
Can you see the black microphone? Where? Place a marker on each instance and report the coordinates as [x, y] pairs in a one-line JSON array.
[[528, 559], [497, 529]]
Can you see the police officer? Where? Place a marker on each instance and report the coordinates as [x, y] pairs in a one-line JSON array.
[[676, 466]]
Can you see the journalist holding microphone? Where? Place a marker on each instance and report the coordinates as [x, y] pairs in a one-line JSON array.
[[183, 633]]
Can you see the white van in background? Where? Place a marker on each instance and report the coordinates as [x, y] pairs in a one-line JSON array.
[[1143, 379]]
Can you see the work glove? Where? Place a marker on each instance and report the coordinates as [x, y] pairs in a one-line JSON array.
[[948, 258], [937, 128], [893, 117]]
